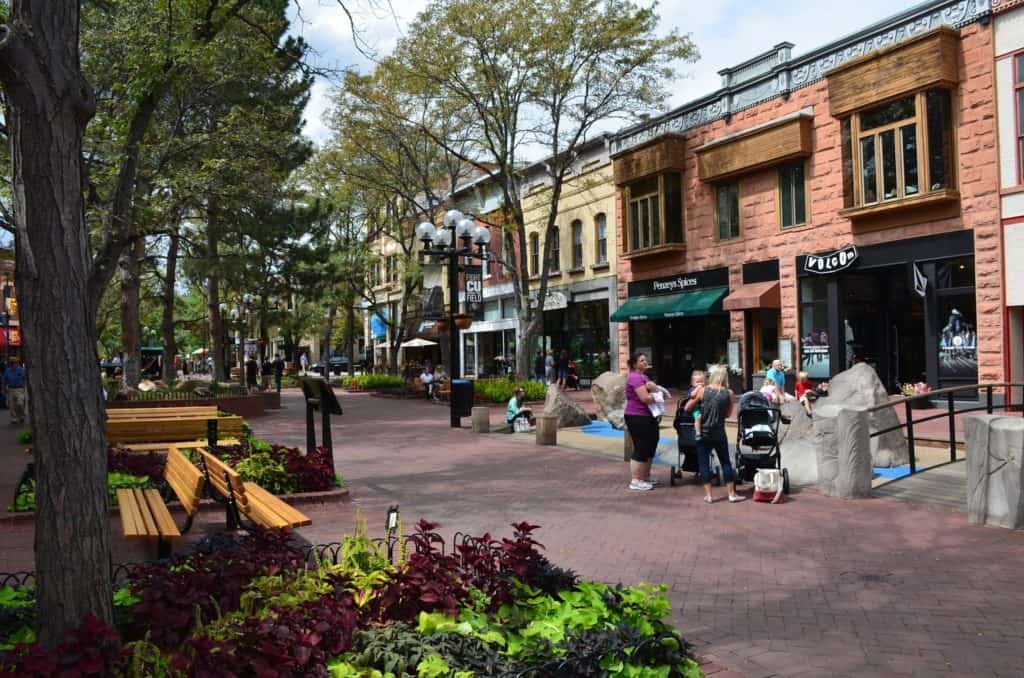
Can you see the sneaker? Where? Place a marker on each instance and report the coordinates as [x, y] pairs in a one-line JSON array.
[[736, 498], [653, 482], [640, 485], [708, 500]]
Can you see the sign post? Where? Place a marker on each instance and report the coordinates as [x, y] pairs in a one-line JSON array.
[[319, 396]]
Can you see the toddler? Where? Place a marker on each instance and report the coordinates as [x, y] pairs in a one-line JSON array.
[[805, 392], [768, 389], [696, 382]]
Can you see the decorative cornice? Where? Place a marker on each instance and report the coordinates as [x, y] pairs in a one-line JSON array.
[[1000, 6], [806, 70]]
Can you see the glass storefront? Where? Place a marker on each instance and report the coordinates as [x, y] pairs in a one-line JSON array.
[[489, 354], [677, 346], [582, 328]]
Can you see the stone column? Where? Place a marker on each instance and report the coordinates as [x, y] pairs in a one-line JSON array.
[[853, 454], [481, 419], [547, 429], [995, 473], [825, 447]]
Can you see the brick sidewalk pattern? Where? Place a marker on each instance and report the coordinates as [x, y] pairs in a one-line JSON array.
[[814, 587]]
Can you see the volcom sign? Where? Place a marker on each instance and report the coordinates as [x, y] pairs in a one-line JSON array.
[[831, 263]]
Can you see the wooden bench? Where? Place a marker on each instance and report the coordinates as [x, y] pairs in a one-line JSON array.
[[144, 515], [188, 445], [123, 413], [260, 506], [169, 429]]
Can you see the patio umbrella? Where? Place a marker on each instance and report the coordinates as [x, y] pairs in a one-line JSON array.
[[417, 343], [198, 351]]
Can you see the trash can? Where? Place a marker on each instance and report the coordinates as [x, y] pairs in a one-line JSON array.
[[462, 397]]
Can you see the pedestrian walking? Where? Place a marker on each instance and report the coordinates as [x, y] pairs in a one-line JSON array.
[[549, 368], [641, 424], [278, 365], [716, 404], [251, 372], [304, 362], [14, 382], [538, 366], [562, 369]]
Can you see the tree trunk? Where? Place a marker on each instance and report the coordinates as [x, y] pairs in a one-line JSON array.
[[350, 335], [325, 350], [213, 292], [170, 372], [131, 325], [49, 104]]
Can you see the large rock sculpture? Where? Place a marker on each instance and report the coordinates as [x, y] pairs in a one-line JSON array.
[[860, 387], [609, 393], [995, 470], [567, 410]]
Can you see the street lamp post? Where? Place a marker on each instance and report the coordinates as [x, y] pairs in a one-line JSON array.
[[443, 243]]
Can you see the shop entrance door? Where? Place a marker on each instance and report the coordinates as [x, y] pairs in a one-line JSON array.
[[883, 322]]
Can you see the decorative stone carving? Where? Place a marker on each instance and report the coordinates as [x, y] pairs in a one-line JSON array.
[[995, 472], [565, 409], [859, 387], [609, 393]]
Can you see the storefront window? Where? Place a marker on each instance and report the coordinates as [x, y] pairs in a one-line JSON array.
[[814, 339], [492, 310], [508, 308], [958, 339]]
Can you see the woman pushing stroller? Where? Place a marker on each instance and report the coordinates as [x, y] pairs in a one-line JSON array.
[[716, 403]]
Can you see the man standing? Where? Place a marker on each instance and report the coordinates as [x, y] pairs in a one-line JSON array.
[[14, 381], [538, 367], [304, 362], [278, 371]]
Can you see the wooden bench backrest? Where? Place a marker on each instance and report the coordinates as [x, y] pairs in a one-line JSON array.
[[185, 479], [172, 430], [216, 470], [161, 412]]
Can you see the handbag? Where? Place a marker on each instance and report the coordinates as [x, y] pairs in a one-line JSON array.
[[521, 425], [768, 486]]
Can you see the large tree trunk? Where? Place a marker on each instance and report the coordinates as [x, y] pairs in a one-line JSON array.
[[170, 372], [49, 104], [131, 325], [325, 350], [350, 334], [213, 292]]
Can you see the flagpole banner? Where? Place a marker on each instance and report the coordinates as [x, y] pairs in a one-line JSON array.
[[920, 282]]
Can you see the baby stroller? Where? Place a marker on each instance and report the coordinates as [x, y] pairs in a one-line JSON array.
[[687, 448], [758, 431]]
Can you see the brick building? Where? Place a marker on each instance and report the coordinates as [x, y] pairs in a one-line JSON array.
[[837, 207]]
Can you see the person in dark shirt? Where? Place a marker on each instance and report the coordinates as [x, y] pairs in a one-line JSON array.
[[278, 365], [14, 382], [251, 372], [538, 367]]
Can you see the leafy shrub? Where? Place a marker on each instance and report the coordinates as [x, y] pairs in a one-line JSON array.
[[125, 481], [502, 389], [370, 382], [25, 499], [93, 649], [24, 437], [149, 464], [17, 616], [267, 472], [309, 472]]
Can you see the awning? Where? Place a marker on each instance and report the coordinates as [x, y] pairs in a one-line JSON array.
[[417, 343], [754, 295], [701, 302]]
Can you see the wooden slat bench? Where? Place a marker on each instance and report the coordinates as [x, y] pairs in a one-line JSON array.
[[189, 445], [121, 413], [259, 505], [144, 515], [169, 430]]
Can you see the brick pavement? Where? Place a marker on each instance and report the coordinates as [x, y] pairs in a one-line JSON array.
[[814, 587]]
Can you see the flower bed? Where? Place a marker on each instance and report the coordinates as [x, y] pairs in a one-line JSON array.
[[501, 390], [257, 608]]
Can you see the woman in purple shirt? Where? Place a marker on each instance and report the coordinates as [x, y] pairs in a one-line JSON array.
[[642, 426]]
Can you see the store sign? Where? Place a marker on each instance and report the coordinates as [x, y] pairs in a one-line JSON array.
[[555, 301], [690, 281], [830, 263], [474, 283]]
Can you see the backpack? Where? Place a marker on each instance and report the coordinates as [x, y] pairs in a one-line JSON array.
[[768, 486]]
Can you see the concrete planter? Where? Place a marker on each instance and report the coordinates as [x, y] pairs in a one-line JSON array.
[[245, 406]]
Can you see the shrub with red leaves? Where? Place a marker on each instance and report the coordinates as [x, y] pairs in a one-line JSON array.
[[150, 464], [92, 649], [429, 582], [313, 472], [210, 583], [286, 643]]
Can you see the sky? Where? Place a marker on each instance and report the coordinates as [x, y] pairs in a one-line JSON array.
[[726, 33]]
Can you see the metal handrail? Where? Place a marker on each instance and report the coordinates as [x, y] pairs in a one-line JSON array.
[[949, 414]]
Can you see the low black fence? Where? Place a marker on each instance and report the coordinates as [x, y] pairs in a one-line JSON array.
[[951, 406]]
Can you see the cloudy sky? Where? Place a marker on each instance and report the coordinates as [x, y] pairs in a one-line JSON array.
[[727, 32]]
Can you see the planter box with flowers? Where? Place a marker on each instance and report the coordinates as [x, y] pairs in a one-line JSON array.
[[918, 389]]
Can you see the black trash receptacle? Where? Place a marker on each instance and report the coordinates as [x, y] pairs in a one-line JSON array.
[[462, 397]]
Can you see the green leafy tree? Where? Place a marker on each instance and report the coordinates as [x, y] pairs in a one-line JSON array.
[[531, 73]]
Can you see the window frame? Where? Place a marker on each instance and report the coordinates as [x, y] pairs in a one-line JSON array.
[[534, 254], [555, 264], [601, 239], [1018, 86], [659, 238], [778, 196], [576, 227], [922, 133], [739, 216]]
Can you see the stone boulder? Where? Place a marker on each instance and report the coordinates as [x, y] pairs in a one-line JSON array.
[[617, 418], [995, 470], [609, 393], [797, 445], [568, 411], [860, 388]]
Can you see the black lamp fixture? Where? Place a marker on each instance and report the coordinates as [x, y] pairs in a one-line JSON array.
[[449, 242]]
